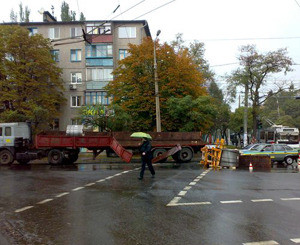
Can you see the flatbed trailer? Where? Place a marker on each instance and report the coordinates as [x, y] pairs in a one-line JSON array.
[[190, 142], [63, 147]]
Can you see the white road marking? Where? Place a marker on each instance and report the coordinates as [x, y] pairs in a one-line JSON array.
[[78, 188], [262, 200], [291, 199], [261, 243], [62, 194], [23, 209], [44, 201], [296, 240], [233, 201], [192, 183], [203, 174], [109, 177], [182, 193], [118, 174], [90, 184], [124, 172], [174, 201], [190, 204], [100, 180], [187, 188]]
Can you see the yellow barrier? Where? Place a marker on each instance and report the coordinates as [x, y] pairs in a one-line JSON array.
[[212, 156]]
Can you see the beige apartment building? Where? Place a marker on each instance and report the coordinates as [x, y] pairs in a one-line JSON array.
[[87, 64]]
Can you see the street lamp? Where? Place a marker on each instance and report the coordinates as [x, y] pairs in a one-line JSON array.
[[157, 107]]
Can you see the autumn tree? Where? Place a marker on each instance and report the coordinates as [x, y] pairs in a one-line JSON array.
[[82, 17], [30, 84], [255, 69], [66, 15], [133, 86]]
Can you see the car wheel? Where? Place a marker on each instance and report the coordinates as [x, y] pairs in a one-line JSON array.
[[289, 160]]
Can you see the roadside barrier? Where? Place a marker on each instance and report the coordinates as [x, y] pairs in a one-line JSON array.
[[212, 156]]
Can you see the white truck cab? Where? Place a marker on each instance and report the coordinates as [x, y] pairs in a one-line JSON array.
[[10, 131]]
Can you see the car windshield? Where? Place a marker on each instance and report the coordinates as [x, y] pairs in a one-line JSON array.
[[248, 147], [254, 148], [260, 147]]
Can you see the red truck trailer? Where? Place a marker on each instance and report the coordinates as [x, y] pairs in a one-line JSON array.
[[190, 142]]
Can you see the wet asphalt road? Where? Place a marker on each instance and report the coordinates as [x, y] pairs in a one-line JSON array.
[[184, 204]]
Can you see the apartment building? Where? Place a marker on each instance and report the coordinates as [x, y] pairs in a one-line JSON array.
[[87, 63]]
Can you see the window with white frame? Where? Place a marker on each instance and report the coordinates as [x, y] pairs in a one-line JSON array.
[[98, 28], [99, 74], [76, 121], [127, 32], [99, 51], [75, 55], [75, 32], [76, 77], [76, 101], [123, 53], [54, 32]]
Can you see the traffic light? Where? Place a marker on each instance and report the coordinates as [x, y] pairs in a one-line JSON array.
[[259, 124]]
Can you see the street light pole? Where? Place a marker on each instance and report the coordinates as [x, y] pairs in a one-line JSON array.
[[157, 107]]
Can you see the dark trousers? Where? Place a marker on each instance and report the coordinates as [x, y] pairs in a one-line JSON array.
[[146, 160]]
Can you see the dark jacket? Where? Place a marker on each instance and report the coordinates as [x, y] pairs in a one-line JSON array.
[[146, 148]]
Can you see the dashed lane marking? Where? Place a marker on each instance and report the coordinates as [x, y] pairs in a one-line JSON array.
[[62, 194], [75, 189], [232, 201], [261, 243], [182, 193], [90, 184], [295, 240], [45, 201], [78, 188], [23, 209], [262, 200], [193, 183], [189, 204], [291, 199], [187, 188]]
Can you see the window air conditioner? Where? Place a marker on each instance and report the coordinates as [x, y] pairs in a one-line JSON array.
[[73, 86]]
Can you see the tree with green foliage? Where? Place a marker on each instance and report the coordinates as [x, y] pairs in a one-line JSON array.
[[133, 86], [13, 16], [282, 109], [82, 17], [191, 114], [30, 84], [254, 71], [105, 118], [65, 12]]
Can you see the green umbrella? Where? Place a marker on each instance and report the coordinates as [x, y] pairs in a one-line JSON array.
[[141, 135]]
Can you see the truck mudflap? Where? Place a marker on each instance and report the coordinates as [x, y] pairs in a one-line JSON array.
[[120, 150]]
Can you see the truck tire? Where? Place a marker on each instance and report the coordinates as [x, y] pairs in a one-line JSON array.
[[159, 151], [6, 157], [55, 157], [186, 154], [72, 157], [289, 160]]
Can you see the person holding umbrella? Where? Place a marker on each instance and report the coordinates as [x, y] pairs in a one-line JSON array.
[[146, 154]]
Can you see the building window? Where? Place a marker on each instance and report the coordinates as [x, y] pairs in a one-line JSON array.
[[75, 55], [75, 121], [55, 54], [32, 31], [99, 74], [123, 53], [54, 33], [98, 28], [93, 98], [76, 101], [76, 77], [75, 32], [127, 32], [99, 51]]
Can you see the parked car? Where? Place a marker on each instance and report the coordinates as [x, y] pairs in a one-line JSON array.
[[277, 152]]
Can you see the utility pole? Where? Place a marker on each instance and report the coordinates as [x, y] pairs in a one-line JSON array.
[[246, 114], [157, 107]]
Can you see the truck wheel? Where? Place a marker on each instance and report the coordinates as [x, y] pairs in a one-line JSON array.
[[72, 157], [6, 157], [159, 151], [186, 154], [289, 160], [55, 157]]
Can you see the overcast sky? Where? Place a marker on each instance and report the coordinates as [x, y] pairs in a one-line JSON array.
[[213, 22]]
